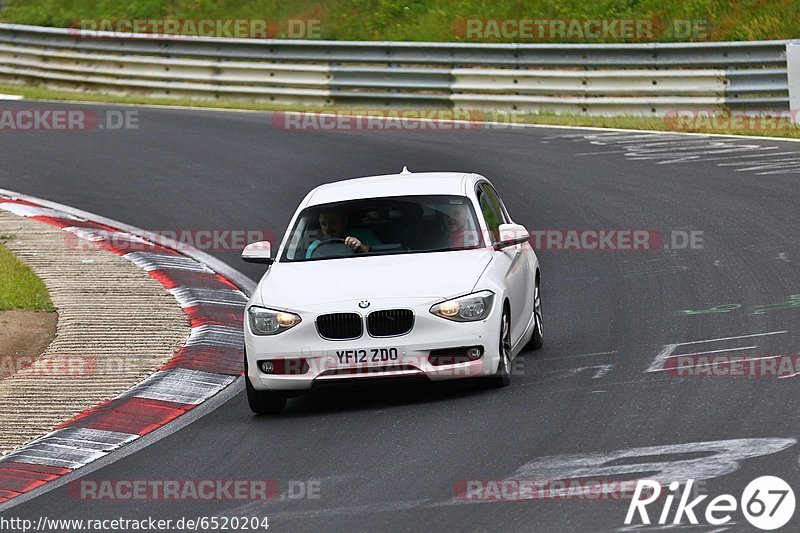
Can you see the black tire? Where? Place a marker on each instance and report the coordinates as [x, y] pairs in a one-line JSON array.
[[502, 377], [537, 339], [263, 402]]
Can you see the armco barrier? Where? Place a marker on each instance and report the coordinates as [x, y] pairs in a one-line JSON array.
[[604, 79]]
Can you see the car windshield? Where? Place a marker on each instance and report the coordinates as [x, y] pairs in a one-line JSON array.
[[381, 226]]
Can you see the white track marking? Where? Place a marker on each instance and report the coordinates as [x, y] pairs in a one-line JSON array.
[[658, 362], [676, 151], [564, 373], [670, 160], [733, 338], [180, 385], [602, 152], [738, 361], [780, 163], [216, 335], [97, 235], [70, 447], [713, 351], [773, 172], [10, 97], [672, 356], [666, 149], [579, 355], [33, 211], [602, 371], [191, 297], [725, 460], [152, 261], [763, 153], [716, 459]]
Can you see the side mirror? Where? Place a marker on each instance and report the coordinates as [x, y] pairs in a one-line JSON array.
[[511, 235], [258, 252]]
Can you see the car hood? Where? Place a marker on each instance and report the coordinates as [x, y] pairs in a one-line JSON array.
[[424, 275]]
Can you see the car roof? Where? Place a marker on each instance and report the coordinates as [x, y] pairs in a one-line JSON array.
[[403, 184]]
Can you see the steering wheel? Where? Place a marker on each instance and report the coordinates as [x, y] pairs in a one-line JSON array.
[[332, 248]]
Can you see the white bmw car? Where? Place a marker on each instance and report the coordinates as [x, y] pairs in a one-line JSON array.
[[405, 275]]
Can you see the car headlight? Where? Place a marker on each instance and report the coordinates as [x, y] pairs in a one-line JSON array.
[[469, 308], [270, 322]]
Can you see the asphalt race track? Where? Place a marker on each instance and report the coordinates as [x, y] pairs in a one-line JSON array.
[[388, 457]]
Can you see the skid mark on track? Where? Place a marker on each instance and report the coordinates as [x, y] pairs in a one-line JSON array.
[[754, 257], [591, 387], [789, 302], [670, 264], [594, 371], [542, 373], [254, 509]]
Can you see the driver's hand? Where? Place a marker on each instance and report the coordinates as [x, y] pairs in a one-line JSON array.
[[356, 244]]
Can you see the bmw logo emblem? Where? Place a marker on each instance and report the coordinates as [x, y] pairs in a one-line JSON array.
[[363, 304]]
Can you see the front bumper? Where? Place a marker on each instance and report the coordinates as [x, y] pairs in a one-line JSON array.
[[328, 360]]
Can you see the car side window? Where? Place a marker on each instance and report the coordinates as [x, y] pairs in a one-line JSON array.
[[493, 220], [496, 202]]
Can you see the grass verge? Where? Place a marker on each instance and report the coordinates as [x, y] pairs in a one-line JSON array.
[[445, 20], [20, 288]]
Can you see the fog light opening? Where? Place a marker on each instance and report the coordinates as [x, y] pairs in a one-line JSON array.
[[284, 367], [455, 356]]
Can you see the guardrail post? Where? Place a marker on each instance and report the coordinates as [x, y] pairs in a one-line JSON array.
[[793, 70]]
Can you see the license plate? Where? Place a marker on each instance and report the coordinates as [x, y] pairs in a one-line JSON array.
[[367, 356]]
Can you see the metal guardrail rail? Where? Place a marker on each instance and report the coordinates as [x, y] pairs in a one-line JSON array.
[[604, 79]]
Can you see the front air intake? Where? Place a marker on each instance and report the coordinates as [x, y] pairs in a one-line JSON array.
[[340, 326], [390, 322]]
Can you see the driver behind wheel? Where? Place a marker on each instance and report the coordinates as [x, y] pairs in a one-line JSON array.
[[334, 225]]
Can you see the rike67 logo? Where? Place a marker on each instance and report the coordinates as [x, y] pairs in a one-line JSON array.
[[767, 503]]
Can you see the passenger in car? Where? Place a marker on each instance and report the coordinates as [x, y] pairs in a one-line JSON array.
[[456, 222]]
